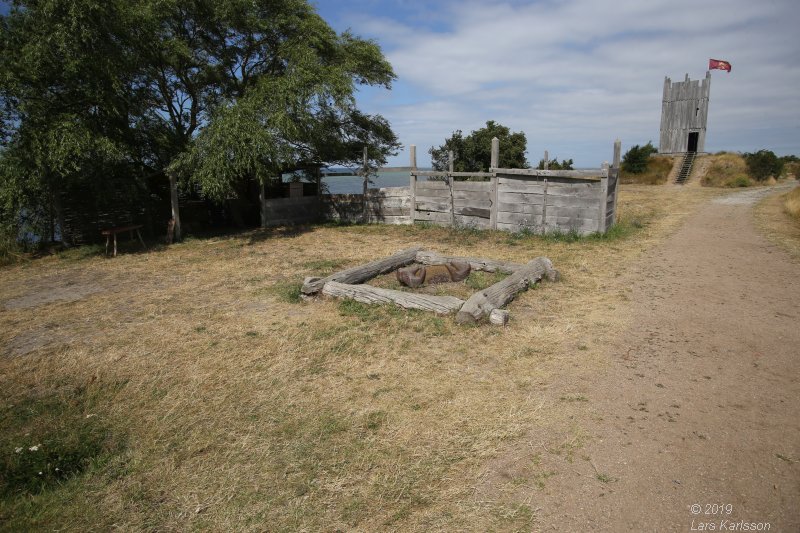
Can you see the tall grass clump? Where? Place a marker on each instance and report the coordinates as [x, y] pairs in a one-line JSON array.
[[792, 203], [726, 170], [655, 172]]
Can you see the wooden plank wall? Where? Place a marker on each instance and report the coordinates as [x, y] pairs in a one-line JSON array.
[[584, 201], [511, 202], [389, 205], [465, 203], [542, 204]]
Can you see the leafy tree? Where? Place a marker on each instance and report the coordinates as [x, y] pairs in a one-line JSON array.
[[473, 153], [635, 159], [213, 92], [553, 164], [763, 164], [67, 101]]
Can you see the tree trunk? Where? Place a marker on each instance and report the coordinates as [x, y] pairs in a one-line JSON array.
[[176, 215], [362, 273], [482, 303], [367, 294], [476, 263], [61, 223], [262, 198]]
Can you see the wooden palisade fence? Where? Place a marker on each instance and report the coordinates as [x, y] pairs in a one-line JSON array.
[[584, 201]]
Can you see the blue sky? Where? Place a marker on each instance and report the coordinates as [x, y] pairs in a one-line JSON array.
[[574, 75]]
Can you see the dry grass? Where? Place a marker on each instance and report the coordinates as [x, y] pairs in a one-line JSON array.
[[792, 203], [726, 170], [658, 169], [225, 403], [777, 221]]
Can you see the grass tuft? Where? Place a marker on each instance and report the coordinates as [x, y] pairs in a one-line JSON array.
[[605, 478], [47, 440], [288, 291], [792, 203]]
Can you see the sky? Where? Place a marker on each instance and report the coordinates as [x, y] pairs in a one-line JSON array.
[[575, 75]]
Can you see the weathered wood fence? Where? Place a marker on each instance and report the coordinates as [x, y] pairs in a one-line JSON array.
[[584, 201]]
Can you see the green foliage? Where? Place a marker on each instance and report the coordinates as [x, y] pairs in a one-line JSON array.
[[104, 99], [47, 440], [288, 291], [791, 168], [635, 160], [553, 164], [479, 280], [763, 164], [740, 181], [473, 153]]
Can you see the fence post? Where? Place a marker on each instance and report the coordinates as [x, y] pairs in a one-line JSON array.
[[412, 185], [601, 223], [450, 165], [544, 207], [617, 172], [493, 187]]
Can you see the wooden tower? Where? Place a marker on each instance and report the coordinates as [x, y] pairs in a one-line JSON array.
[[684, 115]]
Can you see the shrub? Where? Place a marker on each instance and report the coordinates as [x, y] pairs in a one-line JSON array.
[[763, 164], [635, 160], [553, 164], [792, 169], [740, 181]]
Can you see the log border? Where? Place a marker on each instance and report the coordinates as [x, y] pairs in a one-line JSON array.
[[350, 283]]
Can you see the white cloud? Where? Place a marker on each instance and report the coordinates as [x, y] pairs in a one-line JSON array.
[[581, 73]]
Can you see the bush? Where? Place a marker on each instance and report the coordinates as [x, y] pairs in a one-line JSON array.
[[553, 164], [740, 181], [792, 169], [763, 164], [635, 160]]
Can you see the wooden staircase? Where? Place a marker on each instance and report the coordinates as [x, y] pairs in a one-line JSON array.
[[686, 168]]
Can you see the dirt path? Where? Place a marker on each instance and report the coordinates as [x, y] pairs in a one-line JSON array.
[[701, 402]]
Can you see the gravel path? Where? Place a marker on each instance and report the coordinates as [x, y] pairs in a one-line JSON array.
[[701, 403]]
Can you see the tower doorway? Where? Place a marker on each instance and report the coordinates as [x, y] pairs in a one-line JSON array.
[[693, 137]]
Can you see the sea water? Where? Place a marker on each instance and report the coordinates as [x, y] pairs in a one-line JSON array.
[[355, 184]]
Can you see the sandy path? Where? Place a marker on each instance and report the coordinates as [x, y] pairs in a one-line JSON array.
[[701, 402]]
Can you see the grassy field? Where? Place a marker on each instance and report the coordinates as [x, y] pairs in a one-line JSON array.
[[188, 387]]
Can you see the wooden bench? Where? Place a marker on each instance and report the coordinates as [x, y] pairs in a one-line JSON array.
[[113, 232]]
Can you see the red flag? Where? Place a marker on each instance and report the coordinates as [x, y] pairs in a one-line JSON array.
[[718, 64]]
